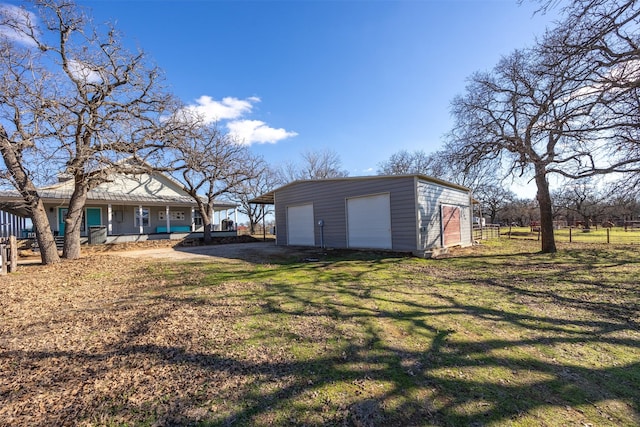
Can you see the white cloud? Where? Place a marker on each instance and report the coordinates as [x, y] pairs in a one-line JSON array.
[[210, 110], [82, 71], [23, 20], [256, 131], [232, 111]]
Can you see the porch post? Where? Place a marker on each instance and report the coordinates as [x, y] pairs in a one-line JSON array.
[[193, 220], [140, 228], [235, 219], [109, 219], [166, 214]]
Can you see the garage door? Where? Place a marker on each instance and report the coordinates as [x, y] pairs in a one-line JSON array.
[[300, 225], [450, 226], [369, 222]]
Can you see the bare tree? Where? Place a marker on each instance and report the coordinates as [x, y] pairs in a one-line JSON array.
[[321, 164], [583, 198], [248, 190], [541, 116], [519, 212], [624, 202], [569, 106], [494, 199], [212, 164], [605, 29], [443, 165], [103, 104], [23, 121], [405, 163], [11, 153]]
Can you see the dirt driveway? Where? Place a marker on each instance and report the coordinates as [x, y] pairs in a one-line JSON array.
[[257, 252]]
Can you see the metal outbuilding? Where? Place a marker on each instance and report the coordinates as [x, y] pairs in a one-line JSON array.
[[404, 213]]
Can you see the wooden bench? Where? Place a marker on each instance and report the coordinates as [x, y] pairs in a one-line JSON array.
[[174, 229]]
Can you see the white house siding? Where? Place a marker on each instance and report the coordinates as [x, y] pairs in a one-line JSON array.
[[123, 217], [431, 197], [329, 198]]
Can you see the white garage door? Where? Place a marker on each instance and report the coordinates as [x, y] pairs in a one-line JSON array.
[[369, 222], [300, 225]]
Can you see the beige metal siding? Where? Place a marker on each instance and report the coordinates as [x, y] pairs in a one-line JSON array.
[[329, 198], [431, 197]]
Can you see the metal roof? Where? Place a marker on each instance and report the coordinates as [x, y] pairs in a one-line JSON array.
[[269, 198], [12, 201]]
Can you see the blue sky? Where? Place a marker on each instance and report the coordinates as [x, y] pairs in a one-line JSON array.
[[363, 78]]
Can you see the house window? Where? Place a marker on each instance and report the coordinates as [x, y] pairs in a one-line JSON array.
[[173, 215], [142, 220], [197, 218]]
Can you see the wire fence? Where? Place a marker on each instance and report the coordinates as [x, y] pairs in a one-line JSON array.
[[491, 231], [613, 235]]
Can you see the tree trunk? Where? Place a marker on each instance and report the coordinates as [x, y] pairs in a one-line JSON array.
[[24, 185], [44, 235], [206, 220], [493, 216], [546, 210], [73, 222]]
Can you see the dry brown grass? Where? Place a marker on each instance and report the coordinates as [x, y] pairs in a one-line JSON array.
[[495, 336]]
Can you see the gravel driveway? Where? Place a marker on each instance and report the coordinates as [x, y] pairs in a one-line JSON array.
[[259, 252]]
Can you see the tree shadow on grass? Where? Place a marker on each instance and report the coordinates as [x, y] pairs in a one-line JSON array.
[[368, 345]]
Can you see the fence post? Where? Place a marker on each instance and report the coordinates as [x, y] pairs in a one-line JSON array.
[[608, 238], [570, 234], [13, 254], [3, 259]]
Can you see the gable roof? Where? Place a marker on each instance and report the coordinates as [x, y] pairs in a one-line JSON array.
[[153, 188], [269, 198]]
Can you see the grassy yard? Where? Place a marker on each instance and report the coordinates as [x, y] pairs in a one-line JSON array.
[[614, 235], [495, 335]]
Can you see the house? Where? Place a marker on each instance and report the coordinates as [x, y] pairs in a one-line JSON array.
[[406, 213], [129, 207]]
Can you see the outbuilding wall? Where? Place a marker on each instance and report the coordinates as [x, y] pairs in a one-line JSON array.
[[329, 199], [415, 205], [431, 197]]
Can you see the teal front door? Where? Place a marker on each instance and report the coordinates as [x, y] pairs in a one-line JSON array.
[[94, 216], [91, 217], [62, 213]]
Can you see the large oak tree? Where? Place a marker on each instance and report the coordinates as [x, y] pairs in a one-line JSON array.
[[104, 102]]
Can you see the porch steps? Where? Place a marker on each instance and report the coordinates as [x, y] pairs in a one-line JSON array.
[[58, 239]]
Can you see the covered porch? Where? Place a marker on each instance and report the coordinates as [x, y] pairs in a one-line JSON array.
[[116, 218]]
